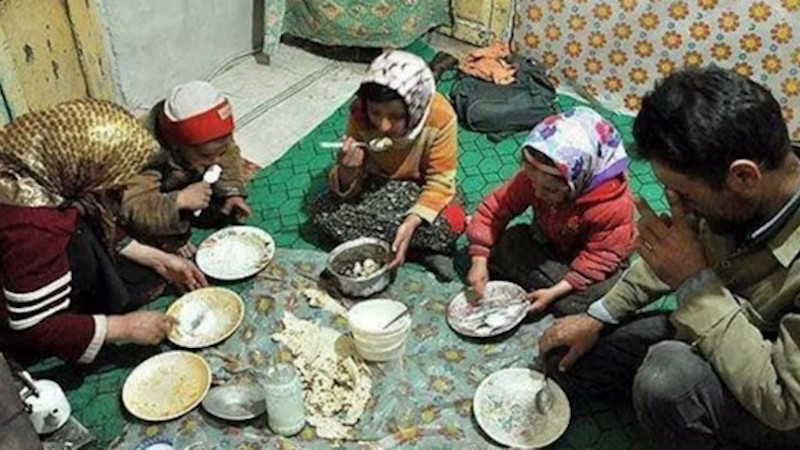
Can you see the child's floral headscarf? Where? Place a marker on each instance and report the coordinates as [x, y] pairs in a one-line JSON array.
[[587, 149]]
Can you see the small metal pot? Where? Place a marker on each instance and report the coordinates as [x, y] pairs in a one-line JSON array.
[[357, 250]]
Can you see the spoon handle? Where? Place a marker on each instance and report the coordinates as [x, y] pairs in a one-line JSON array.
[[331, 145], [398, 317]]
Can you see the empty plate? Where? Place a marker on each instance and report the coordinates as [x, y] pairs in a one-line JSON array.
[[159, 443], [205, 317], [505, 408], [235, 402], [235, 253], [503, 307], [166, 386]]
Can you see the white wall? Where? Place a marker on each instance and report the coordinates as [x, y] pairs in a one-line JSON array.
[[156, 44]]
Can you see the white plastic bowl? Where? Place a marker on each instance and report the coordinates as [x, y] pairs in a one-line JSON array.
[[379, 345], [366, 321], [393, 336], [367, 318], [381, 355]]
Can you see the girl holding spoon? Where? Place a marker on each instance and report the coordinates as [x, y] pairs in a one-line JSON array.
[[394, 177]]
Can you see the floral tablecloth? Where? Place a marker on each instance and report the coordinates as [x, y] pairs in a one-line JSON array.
[[423, 401], [616, 49]]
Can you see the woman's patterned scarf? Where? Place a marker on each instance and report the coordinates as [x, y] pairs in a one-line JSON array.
[[73, 155]]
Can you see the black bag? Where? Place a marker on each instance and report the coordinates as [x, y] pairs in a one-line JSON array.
[[500, 110]]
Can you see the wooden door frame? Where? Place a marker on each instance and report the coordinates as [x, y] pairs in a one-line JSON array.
[[87, 45], [500, 22]]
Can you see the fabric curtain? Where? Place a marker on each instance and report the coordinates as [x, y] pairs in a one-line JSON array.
[[616, 49], [362, 23]]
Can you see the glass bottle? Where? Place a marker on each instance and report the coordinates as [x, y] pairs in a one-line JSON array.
[[284, 394]]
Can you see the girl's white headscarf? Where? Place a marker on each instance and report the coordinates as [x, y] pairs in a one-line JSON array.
[[410, 77]]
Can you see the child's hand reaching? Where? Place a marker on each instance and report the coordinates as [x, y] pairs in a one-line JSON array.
[[542, 298], [478, 276]]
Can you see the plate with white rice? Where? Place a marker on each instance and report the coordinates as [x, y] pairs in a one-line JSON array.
[[235, 253]]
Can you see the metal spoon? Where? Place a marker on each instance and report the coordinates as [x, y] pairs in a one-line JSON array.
[[544, 399], [398, 317]]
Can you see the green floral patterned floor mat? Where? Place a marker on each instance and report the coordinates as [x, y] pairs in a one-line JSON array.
[[278, 194]]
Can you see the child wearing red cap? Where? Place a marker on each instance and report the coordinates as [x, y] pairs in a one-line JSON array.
[[194, 126]]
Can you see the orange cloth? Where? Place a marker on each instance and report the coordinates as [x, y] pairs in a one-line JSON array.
[[489, 64], [431, 159]]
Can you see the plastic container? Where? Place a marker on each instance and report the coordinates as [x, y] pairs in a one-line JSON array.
[[382, 355], [368, 317], [284, 394], [379, 346], [366, 321]]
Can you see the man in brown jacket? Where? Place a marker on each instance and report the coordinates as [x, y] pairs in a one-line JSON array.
[[724, 368], [194, 126]]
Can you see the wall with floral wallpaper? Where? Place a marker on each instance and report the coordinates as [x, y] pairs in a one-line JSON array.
[[616, 49]]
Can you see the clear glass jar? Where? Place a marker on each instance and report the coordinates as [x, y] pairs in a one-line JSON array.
[[284, 393]]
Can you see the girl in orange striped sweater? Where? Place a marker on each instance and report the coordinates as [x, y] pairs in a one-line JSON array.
[[397, 102]]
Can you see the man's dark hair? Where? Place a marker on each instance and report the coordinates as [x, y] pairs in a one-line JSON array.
[[698, 121], [377, 93]]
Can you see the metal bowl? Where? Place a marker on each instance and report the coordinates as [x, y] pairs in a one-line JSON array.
[[357, 250], [235, 402]]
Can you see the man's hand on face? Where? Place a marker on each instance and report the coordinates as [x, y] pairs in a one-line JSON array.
[[670, 246]]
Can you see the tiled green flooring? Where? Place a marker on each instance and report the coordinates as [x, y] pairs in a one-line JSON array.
[[278, 195]]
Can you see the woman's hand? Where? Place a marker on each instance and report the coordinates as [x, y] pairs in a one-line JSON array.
[[180, 272], [173, 268], [140, 327], [403, 238], [479, 275]]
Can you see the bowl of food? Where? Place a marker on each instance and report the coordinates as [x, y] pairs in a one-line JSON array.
[[361, 266]]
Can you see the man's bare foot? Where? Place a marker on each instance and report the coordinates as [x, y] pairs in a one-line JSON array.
[[187, 251]]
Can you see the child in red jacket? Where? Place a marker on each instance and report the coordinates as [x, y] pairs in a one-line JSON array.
[[573, 176]]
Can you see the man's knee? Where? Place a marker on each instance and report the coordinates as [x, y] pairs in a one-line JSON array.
[[676, 388]]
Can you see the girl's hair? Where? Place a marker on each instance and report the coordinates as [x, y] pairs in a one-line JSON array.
[[537, 155], [377, 93]]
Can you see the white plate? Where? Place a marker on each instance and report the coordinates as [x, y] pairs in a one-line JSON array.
[[235, 253], [205, 317], [160, 443], [505, 408], [504, 306], [166, 386]]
